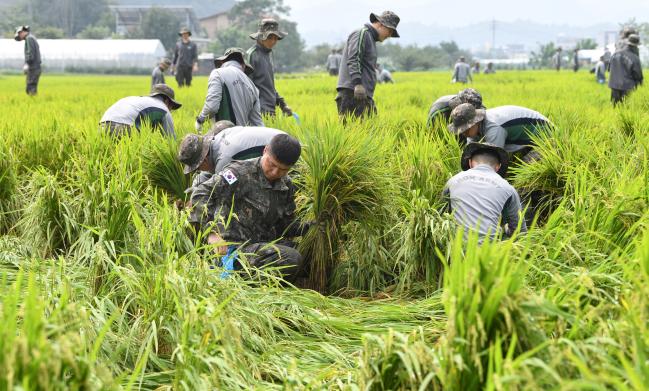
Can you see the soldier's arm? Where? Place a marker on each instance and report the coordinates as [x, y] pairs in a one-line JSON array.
[[211, 200], [213, 98], [512, 213], [446, 199], [288, 223], [255, 114], [175, 59], [195, 54], [168, 125], [496, 135], [637, 72], [355, 52], [29, 51]]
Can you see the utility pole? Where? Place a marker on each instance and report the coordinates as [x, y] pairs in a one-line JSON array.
[[493, 35]]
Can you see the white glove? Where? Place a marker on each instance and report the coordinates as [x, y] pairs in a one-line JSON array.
[[25, 68], [198, 126]]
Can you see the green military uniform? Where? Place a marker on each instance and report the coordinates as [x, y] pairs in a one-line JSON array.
[[262, 213]]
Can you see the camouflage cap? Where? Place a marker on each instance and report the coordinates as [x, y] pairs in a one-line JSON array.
[[463, 117], [192, 151], [165, 61], [470, 95], [20, 29], [268, 26], [236, 54], [219, 126], [472, 148], [633, 40], [454, 102], [165, 90], [389, 19], [628, 30], [184, 30]]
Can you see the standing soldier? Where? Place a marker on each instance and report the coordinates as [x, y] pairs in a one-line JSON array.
[[575, 60], [600, 71], [556, 59], [626, 70], [231, 95], [357, 76], [462, 71], [157, 76], [333, 62], [32, 67], [260, 58], [185, 58]]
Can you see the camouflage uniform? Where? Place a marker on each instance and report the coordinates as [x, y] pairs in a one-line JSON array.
[[262, 212]]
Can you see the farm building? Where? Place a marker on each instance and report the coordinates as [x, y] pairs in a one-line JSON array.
[[87, 55]]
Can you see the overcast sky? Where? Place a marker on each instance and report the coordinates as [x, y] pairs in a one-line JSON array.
[[317, 18]]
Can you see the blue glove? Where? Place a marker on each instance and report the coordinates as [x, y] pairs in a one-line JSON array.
[[227, 261], [297, 118]]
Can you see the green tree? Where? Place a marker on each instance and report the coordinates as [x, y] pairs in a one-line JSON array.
[[245, 16], [95, 32], [48, 32], [159, 24], [70, 16], [542, 58], [586, 43]]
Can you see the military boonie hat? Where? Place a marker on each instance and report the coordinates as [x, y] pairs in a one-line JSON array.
[[219, 126], [163, 89], [192, 151], [268, 26], [236, 54], [463, 117], [19, 30], [388, 19], [633, 40], [472, 148], [184, 30], [165, 61], [470, 95]]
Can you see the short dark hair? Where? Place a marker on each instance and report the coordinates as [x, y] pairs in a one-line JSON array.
[[286, 149], [486, 157]]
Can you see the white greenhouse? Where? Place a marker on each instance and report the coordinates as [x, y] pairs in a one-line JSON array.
[[86, 55]]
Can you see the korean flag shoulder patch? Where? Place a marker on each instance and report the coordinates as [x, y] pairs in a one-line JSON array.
[[229, 176]]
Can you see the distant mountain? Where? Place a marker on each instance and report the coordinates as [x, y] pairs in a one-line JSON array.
[[477, 36], [202, 8]]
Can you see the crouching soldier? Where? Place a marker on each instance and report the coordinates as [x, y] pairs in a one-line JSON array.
[[479, 198], [134, 111], [443, 106], [509, 127], [261, 195], [223, 144]]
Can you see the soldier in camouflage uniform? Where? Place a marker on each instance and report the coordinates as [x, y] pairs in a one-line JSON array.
[[252, 205], [32, 66]]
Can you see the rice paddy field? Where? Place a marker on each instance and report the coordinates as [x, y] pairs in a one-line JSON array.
[[103, 288]]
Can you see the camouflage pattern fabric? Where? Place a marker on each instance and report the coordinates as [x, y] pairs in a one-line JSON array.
[[261, 211]]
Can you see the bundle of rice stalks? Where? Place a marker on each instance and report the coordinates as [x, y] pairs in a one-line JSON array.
[[161, 166], [42, 344], [425, 237], [8, 184], [343, 178], [47, 220], [483, 298], [399, 362]]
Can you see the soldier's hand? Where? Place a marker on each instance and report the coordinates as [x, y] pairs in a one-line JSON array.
[[359, 92], [198, 126], [25, 69], [195, 68], [287, 111], [214, 239]]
